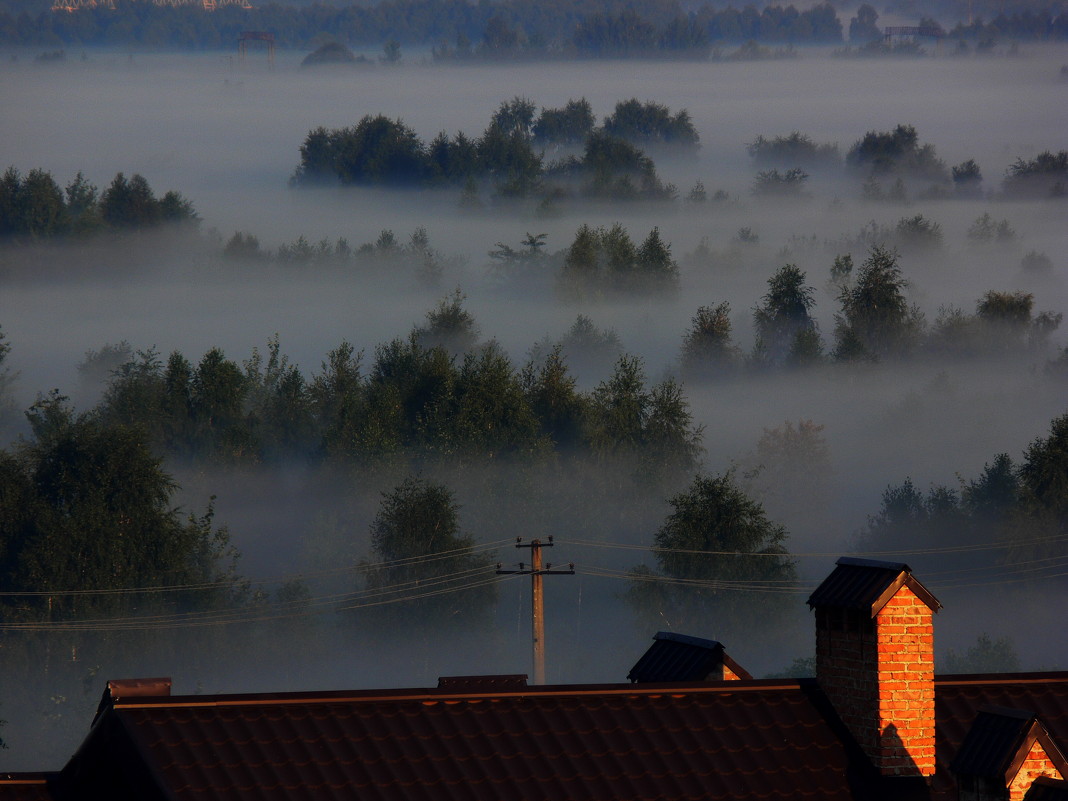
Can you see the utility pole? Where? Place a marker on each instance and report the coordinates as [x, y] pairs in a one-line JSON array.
[[537, 603]]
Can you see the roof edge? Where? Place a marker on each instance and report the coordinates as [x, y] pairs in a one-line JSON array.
[[431, 694]]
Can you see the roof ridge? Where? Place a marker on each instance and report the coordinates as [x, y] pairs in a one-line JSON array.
[[436, 695]]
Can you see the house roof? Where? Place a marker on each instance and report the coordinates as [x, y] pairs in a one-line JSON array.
[[867, 585], [747, 739], [679, 657]]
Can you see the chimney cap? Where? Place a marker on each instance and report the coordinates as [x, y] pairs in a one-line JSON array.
[[867, 585]]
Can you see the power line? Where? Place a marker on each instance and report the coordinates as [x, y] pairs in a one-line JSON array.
[[474, 577], [245, 614], [825, 554], [277, 579]]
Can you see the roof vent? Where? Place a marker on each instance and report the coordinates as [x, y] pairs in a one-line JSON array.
[[484, 684]]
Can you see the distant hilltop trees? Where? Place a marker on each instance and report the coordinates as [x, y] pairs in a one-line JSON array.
[[517, 29]]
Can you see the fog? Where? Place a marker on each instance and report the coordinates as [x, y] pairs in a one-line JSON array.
[[226, 135]]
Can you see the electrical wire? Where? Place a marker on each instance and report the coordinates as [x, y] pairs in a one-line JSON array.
[[418, 588], [827, 554], [278, 579], [443, 585]]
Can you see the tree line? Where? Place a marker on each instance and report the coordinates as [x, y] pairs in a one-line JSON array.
[[456, 28], [516, 29], [509, 155], [442, 393], [610, 160], [34, 206]]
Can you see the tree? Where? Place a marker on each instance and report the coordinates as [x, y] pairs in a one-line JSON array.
[[1044, 484], [652, 124], [7, 380], [377, 150], [986, 230], [589, 350], [1046, 175], [580, 276], [618, 170], [129, 203], [707, 348], [218, 388], [406, 382], [551, 393], [508, 157], [792, 150], [391, 52], [784, 315], [95, 512], [910, 519], [897, 152], [655, 270], [876, 320], [917, 234], [41, 206], [277, 402], [967, 179], [486, 417], [671, 442], [336, 395], [791, 469], [864, 28], [618, 409], [1008, 322], [993, 499], [988, 655], [426, 572], [614, 35], [450, 326], [515, 116], [717, 554], [788, 184], [568, 126]]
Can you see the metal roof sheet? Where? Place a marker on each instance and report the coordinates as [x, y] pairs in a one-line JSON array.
[[620, 742], [992, 742], [722, 740]]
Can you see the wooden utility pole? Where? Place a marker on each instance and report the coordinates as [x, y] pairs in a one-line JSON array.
[[537, 603]]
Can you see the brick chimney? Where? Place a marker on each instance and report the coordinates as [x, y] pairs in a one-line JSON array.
[[875, 661]]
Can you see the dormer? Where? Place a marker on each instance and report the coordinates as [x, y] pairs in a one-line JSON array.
[[679, 657], [1003, 753]]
